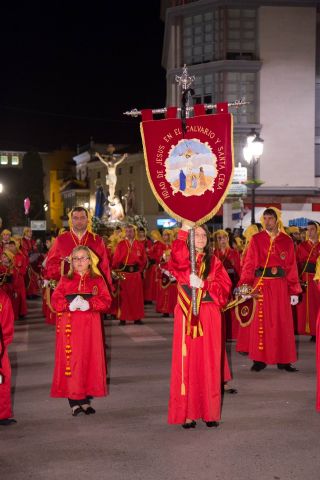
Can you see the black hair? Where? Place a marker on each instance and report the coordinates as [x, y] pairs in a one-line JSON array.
[[270, 211], [79, 209], [314, 223]]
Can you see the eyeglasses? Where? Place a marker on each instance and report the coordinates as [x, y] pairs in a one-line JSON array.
[[79, 259]]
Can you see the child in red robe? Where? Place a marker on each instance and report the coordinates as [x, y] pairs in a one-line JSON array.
[[80, 362]]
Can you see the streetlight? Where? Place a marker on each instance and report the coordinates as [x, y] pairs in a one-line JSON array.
[[252, 153], [1, 187]]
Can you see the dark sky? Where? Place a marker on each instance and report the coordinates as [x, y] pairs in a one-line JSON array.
[[69, 75]]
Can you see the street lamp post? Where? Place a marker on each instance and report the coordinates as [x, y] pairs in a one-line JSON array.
[[252, 153]]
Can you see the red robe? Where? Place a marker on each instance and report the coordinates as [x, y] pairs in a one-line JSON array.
[[230, 259], [62, 247], [147, 277], [167, 291], [19, 272], [308, 308], [32, 277], [127, 258], [318, 359], [6, 325], [86, 362], [155, 256], [271, 333], [202, 365]]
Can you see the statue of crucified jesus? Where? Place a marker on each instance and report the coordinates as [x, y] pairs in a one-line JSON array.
[[111, 161]]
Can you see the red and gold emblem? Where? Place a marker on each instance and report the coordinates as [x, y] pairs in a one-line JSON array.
[[95, 290], [283, 255], [274, 270]]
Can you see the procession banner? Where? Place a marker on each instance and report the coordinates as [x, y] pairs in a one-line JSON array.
[[189, 173]]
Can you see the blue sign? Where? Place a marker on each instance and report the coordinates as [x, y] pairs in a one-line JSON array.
[[299, 222]]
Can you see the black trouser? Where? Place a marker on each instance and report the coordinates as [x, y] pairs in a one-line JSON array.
[[83, 401]]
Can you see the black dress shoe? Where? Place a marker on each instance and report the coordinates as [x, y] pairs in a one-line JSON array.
[[165, 315], [287, 367], [122, 322], [77, 411], [212, 424], [7, 421], [89, 411], [231, 391], [138, 322], [257, 366], [313, 338], [189, 424]]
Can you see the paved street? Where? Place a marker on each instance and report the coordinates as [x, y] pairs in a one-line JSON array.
[[269, 431]]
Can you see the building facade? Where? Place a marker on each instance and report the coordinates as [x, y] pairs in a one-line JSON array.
[[267, 52]]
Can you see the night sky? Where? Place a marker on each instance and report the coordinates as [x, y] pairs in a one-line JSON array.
[[67, 76]]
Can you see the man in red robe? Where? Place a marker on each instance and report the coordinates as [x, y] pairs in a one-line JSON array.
[[57, 262], [130, 259], [270, 268], [6, 337], [307, 310]]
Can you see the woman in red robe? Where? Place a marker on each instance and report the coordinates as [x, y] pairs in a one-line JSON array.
[[80, 362], [198, 350], [6, 337]]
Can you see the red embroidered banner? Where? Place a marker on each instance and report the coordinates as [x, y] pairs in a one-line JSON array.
[[189, 175]]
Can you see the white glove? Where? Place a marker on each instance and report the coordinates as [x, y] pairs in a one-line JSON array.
[[83, 305], [186, 225], [195, 281], [74, 305], [45, 283], [294, 299]]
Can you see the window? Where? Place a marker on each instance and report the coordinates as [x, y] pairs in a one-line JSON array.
[[220, 34], [229, 86], [14, 160], [241, 33], [197, 38], [4, 159]]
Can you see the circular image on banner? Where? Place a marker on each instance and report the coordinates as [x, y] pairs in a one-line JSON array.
[[191, 167]]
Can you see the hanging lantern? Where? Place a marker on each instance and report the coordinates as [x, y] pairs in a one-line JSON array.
[[26, 204]]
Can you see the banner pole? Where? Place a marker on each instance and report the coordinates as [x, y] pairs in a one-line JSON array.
[[185, 81]]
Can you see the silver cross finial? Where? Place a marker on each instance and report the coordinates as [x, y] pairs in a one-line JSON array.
[[185, 81]]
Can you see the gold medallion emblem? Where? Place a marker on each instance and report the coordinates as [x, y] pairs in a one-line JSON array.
[[95, 290], [244, 311], [283, 255], [130, 269], [274, 270]]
